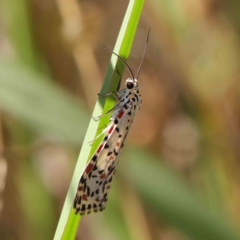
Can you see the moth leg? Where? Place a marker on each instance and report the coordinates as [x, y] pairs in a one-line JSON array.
[[108, 94], [116, 96], [99, 135], [109, 111], [91, 142]]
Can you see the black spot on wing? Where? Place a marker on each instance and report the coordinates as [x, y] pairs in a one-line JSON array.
[[88, 191], [115, 152], [105, 138], [136, 96], [109, 153], [83, 208], [111, 171], [83, 180], [110, 179]]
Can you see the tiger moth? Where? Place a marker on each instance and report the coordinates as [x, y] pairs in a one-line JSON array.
[[95, 182]]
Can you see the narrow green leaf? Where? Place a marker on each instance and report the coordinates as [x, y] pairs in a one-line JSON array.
[[68, 221]]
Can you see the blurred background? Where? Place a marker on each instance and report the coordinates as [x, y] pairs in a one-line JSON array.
[[52, 66]]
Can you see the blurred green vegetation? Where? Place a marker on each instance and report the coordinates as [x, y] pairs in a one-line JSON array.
[[51, 69]]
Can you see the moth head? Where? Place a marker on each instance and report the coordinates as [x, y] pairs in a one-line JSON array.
[[131, 83]]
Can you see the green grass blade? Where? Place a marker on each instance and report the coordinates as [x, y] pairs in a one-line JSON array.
[[68, 222]]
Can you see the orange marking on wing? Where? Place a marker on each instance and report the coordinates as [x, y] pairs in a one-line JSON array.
[[100, 148], [84, 197], [89, 168], [120, 114], [111, 129], [102, 175]]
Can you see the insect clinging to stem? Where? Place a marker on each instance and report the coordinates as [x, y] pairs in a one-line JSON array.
[[95, 182]]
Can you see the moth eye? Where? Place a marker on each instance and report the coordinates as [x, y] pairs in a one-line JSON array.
[[130, 85]]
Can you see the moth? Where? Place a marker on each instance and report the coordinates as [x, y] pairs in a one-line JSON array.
[[95, 182]]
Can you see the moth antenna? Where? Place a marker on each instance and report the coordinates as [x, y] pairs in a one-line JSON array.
[[129, 69], [143, 54]]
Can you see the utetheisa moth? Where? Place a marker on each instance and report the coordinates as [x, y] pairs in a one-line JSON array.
[[94, 184]]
